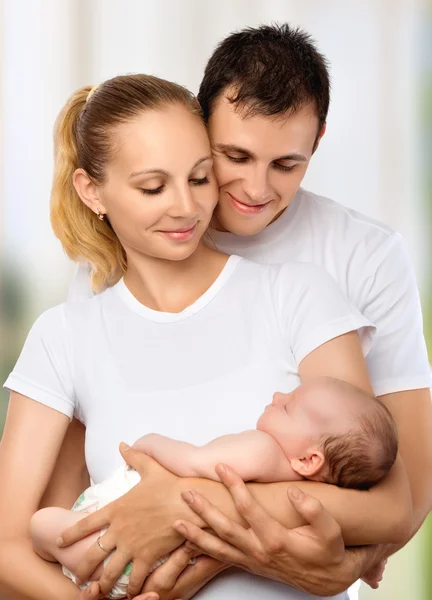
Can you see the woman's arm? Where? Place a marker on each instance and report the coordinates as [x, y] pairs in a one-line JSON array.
[[70, 476], [31, 441]]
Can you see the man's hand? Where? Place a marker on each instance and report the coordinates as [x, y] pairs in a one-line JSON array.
[[139, 526], [176, 578], [375, 574], [311, 557]]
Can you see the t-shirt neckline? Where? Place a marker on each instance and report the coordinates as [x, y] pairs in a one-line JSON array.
[[135, 305]]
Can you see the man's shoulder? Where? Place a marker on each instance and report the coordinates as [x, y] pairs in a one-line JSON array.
[[340, 217]]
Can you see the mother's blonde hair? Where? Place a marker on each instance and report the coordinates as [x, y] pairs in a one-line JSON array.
[[83, 138]]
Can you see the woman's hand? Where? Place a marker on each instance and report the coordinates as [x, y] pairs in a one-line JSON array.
[[311, 557], [139, 525]]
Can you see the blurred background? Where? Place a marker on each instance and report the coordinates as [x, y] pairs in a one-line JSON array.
[[375, 156]]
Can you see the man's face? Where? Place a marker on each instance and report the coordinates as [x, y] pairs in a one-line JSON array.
[[259, 163]]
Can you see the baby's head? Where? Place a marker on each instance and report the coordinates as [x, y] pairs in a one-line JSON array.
[[331, 431]]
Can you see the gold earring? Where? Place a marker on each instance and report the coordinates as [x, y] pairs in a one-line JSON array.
[[99, 215]]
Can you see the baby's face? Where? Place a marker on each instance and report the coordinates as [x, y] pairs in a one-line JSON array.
[[299, 419]]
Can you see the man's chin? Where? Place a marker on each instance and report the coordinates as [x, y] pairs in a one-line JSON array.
[[242, 226]]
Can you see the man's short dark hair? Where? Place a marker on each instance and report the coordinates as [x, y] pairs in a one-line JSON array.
[[271, 70]]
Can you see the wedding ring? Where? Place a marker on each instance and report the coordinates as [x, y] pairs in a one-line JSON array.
[[99, 543]]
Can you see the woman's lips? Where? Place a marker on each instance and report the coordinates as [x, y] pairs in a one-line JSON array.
[[180, 235], [246, 208]]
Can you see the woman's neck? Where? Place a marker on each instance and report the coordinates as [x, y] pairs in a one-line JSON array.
[[171, 286]]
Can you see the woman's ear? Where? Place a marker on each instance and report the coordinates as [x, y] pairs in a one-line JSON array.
[[88, 191], [309, 464]]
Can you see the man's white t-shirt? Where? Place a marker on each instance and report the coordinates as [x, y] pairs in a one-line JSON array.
[[126, 370]]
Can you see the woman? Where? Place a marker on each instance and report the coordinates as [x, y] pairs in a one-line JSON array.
[[180, 344]]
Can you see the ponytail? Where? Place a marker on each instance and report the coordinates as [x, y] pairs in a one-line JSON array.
[[82, 234]]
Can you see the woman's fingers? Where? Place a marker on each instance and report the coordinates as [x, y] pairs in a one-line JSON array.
[[89, 593], [94, 557], [210, 544], [94, 522], [140, 570], [136, 459]]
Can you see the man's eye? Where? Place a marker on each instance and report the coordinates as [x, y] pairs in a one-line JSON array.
[[285, 168], [236, 159]]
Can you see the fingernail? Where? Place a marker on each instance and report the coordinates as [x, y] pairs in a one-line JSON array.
[[180, 527], [296, 493], [124, 446], [59, 541], [222, 469], [188, 497]]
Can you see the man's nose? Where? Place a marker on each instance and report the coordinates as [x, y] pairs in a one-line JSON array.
[[256, 186]]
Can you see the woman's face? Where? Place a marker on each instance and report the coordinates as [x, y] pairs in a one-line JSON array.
[[160, 191]]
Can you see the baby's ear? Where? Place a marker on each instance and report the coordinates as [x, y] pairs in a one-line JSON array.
[[309, 464]]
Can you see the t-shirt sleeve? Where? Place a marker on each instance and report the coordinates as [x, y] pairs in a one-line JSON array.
[[80, 287], [43, 370], [389, 297], [315, 311]]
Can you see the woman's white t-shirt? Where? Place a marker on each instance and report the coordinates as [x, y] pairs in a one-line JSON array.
[[126, 370]]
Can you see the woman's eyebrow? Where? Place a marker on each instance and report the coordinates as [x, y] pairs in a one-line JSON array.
[[163, 172]]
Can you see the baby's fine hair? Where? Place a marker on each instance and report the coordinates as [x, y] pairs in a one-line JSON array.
[[362, 457]]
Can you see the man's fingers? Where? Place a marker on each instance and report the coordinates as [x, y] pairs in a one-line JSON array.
[[112, 571], [225, 528], [264, 526], [147, 596], [140, 570], [164, 577], [315, 514], [94, 522], [210, 544]]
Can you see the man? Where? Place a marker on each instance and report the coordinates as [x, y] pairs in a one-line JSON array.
[[265, 95]]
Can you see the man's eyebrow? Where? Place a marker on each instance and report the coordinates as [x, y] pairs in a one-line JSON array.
[[232, 148], [162, 172]]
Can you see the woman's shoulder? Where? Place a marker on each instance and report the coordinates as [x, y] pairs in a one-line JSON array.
[[62, 317]]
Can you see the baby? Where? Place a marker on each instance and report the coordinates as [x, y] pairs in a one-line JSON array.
[[325, 430]]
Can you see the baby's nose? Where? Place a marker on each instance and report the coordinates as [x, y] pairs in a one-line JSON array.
[[278, 398]]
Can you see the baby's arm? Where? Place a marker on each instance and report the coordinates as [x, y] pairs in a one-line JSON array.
[[46, 527], [255, 455]]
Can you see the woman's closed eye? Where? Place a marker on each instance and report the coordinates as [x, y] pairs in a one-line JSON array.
[[160, 189], [200, 181]]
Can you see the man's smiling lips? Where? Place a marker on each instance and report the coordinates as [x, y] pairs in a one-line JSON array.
[[247, 208]]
